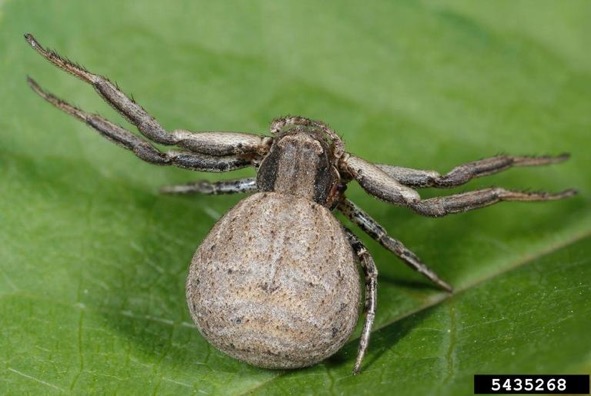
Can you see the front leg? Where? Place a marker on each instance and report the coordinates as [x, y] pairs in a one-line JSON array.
[[464, 173], [456, 203], [377, 182], [140, 147], [208, 143]]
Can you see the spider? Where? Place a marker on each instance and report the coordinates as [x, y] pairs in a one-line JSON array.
[[275, 283]]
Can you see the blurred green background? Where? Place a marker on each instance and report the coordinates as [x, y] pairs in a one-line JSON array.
[[93, 260]]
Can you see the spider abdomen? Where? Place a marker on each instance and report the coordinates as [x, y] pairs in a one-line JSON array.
[[274, 283], [273, 287]]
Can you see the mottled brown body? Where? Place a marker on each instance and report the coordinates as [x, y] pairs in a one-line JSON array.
[[274, 283], [275, 297]]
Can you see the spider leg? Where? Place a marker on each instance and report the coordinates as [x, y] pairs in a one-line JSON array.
[[371, 283], [456, 203], [382, 185], [377, 182], [377, 232], [209, 143], [245, 185], [464, 173], [140, 147]]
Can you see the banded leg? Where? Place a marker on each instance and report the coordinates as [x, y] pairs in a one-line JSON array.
[[245, 185], [371, 284], [456, 203], [377, 232], [464, 173], [140, 147], [209, 143]]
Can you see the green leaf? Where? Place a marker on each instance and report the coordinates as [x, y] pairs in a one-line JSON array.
[[93, 259]]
